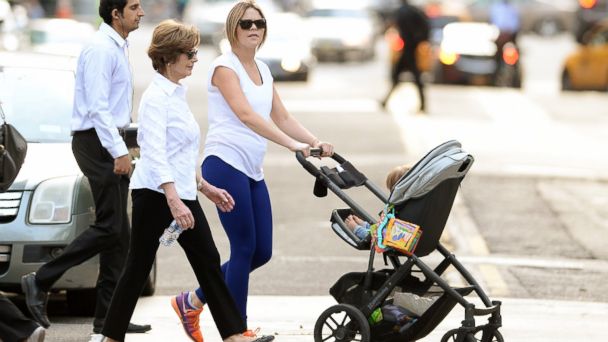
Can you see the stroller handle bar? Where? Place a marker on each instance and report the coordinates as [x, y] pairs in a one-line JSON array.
[[318, 174], [315, 152]]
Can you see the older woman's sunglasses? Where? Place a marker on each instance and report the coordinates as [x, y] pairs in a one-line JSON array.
[[191, 54], [246, 24]]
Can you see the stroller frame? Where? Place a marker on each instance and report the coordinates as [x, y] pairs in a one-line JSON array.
[[373, 287]]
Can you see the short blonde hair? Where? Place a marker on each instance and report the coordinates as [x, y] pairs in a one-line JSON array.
[[236, 13], [395, 174], [169, 40]]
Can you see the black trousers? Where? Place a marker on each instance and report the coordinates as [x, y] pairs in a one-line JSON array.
[[151, 215], [108, 236], [14, 326], [407, 62]]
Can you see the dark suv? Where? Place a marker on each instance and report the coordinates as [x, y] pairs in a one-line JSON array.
[[588, 13]]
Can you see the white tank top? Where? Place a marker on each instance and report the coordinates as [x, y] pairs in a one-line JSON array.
[[228, 137]]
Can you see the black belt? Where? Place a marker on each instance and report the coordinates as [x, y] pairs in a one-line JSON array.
[[121, 131]]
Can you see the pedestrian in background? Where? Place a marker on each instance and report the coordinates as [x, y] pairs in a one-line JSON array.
[[102, 108], [505, 16], [164, 187], [245, 111], [413, 26]]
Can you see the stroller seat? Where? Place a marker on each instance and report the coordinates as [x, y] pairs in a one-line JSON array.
[[424, 196]]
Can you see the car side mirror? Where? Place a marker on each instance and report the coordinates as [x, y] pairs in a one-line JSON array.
[[130, 136]]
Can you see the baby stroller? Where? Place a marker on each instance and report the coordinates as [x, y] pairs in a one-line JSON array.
[[424, 196]]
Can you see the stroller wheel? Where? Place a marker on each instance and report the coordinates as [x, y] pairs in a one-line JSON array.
[[476, 336], [342, 323]]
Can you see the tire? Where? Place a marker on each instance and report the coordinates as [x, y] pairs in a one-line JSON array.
[[81, 302], [566, 81], [452, 336], [342, 323], [150, 285], [516, 80], [495, 335]]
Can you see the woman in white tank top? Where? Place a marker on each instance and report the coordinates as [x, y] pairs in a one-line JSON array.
[[242, 103]]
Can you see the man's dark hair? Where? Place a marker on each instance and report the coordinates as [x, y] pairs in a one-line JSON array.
[[107, 6]]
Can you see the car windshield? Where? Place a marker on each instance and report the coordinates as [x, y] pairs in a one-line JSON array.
[[38, 102]]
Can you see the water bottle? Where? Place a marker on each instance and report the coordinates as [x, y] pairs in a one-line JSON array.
[[170, 234]]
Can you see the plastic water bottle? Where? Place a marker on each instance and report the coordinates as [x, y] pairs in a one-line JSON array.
[[170, 234]]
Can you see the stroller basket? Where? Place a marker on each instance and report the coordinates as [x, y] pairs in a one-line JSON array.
[[350, 289]]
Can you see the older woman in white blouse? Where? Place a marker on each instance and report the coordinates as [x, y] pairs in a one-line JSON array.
[[164, 187]]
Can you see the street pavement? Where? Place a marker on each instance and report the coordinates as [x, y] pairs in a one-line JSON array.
[[507, 133], [292, 318]]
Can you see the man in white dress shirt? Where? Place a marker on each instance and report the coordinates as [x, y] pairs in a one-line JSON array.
[[103, 101]]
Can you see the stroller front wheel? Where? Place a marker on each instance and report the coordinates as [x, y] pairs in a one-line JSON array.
[[342, 323], [476, 336]]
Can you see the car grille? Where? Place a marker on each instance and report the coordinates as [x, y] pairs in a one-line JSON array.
[[9, 205], [5, 258]]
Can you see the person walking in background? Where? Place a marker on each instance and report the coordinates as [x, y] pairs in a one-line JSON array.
[[164, 187], [242, 102], [505, 16], [102, 108], [413, 27]]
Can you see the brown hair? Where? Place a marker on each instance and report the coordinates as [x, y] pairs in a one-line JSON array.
[[236, 13], [395, 174], [169, 40]]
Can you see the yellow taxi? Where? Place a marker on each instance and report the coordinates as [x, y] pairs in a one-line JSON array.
[[587, 67]]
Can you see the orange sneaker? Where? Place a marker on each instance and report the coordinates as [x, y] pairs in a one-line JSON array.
[[188, 317], [254, 334]]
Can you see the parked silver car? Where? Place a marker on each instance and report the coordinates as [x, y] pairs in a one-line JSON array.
[[342, 33], [50, 202]]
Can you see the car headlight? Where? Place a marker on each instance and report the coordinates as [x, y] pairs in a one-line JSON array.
[[291, 64], [52, 201]]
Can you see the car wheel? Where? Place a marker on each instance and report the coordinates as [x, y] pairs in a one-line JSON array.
[[81, 302], [516, 80], [438, 75], [566, 81], [150, 285]]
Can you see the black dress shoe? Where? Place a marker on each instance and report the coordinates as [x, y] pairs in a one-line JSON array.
[[35, 299], [132, 328], [136, 328]]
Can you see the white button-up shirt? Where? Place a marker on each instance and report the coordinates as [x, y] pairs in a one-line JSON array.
[[103, 93], [168, 137]]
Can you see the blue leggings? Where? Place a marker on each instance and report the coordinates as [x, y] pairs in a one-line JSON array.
[[248, 226]]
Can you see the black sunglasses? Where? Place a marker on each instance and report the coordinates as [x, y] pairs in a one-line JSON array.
[[246, 24], [190, 54]]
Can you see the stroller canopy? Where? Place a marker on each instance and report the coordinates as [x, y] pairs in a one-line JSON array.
[[445, 161]]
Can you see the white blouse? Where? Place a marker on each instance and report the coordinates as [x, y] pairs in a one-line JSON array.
[[168, 137]]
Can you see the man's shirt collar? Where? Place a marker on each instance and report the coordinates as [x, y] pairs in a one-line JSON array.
[[110, 32]]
